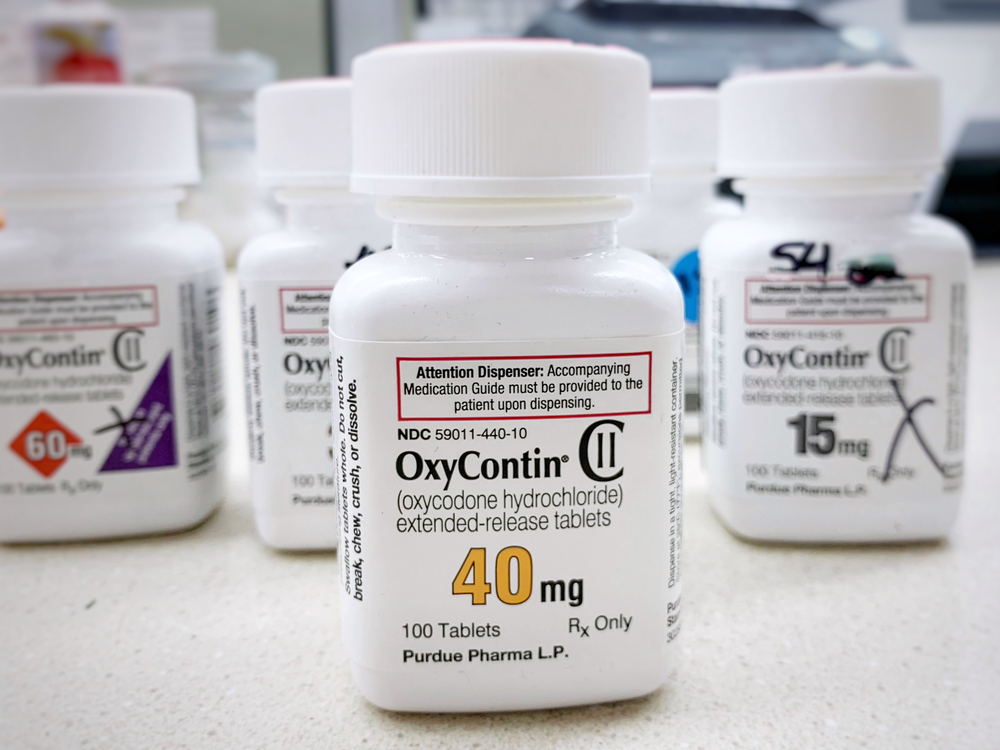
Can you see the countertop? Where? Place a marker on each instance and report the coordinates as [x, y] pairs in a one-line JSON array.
[[208, 639]]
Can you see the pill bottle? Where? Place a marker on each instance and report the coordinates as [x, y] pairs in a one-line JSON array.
[[833, 315], [111, 396], [304, 138], [508, 385], [229, 200], [669, 221]]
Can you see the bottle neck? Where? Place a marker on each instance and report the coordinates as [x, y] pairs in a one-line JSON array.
[[502, 212], [323, 209], [91, 210], [505, 243], [830, 199], [504, 229], [683, 188]]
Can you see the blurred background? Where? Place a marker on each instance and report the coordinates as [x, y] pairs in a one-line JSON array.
[[223, 50]]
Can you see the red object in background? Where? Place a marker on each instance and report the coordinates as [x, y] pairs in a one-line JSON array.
[[82, 66], [78, 52]]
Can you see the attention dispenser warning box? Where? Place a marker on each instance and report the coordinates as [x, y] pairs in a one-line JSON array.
[[87, 309], [305, 309], [524, 387], [837, 302]]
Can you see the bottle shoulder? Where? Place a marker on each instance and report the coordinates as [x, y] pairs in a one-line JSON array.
[[411, 297], [47, 255], [670, 231], [746, 240], [303, 253], [950, 234]]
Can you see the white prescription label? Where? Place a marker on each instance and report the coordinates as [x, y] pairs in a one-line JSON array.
[[102, 387], [851, 382], [837, 301], [87, 309], [510, 505], [286, 365]]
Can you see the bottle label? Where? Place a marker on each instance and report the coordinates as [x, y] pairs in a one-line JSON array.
[[848, 371], [286, 358], [102, 387], [509, 504]]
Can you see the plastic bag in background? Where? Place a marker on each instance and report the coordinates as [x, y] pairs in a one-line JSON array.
[[77, 41]]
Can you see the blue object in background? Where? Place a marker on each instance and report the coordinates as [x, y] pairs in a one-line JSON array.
[[686, 269]]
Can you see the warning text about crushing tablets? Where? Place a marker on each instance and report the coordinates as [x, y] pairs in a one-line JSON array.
[[528, 387], [457, 467]]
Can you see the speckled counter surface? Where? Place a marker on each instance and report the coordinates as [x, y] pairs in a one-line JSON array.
[[210, 640]]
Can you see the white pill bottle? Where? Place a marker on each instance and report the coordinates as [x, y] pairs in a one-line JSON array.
[[833, 315], [669, 221], [286, 277], [509, 386], [111, 396]]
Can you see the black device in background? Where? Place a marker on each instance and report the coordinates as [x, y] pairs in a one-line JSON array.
[[701, 45], [971, 195]]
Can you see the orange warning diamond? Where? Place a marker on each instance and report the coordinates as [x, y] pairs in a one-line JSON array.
[[44, 444]]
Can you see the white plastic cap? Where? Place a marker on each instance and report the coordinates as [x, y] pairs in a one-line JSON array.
[[683, 129], [832, 122], [500, 119], [93, 136], [233, 71], [304, 133]]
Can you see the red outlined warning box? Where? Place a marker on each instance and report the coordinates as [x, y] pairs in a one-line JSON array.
[[446, 389], [795, 301], [305, 309], [80, 309]]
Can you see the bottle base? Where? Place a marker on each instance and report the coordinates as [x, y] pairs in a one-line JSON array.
[[301, 532], [835, 522], [447, 693], [72, 526]]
